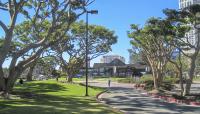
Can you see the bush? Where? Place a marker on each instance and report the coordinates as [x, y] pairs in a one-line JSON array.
[[167, 86], [172, 80], [146, 79], [178, 97], [125, 80], [149, 85]]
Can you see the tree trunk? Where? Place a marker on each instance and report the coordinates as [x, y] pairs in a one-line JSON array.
[[191, 75], [158, 78], [30, 73], [156, 85], [1, 80], [1, 84], [187, 87], [9, 82], [181, 81], [69, 78]]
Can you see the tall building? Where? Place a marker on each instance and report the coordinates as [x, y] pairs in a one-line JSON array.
[[110, 58], [192, 38], [131, 58], [186, 3], [134, 57]]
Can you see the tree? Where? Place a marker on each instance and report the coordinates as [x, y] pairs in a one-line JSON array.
[[54, 14], [135, 55], [45, 64], [152, 40], [178, 65], [100, 41], [55, 74], [189, 18]]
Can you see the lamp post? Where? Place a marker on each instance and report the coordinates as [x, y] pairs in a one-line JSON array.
[[86, 48]]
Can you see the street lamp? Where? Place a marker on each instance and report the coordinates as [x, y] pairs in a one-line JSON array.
[[86, 48]]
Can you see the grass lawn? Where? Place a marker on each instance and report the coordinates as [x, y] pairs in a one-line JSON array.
[[50, 97], [197, 79], [105, 79]]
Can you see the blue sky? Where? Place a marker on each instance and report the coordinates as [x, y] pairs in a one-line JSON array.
[[117, 15]]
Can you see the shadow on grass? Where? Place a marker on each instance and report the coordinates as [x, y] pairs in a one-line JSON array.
[[93, 87], [44, 103], [48, 104], [40, 87]]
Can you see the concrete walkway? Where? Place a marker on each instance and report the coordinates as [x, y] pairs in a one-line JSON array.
[[132, 101]]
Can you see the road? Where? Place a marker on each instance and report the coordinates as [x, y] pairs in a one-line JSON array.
[[131, 101]]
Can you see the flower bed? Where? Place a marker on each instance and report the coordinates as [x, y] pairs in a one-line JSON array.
[[170, 99]]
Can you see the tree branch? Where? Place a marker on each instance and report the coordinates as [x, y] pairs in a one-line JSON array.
[[3, 26]]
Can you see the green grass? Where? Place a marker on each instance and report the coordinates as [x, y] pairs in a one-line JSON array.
[[74, 79], [197, 78], [50, 97], [113, 79]]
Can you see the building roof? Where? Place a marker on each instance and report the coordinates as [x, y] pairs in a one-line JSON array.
[[100, 65], [119, 63], [116, 62]]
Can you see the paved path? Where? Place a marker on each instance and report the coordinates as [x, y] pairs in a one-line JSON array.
[[132, 101]]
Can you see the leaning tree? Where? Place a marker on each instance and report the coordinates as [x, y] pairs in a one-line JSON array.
[[188, 17], [71, 52], [54, 14], [152, 40]]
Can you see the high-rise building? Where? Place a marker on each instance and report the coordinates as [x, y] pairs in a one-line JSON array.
[[110, 58], [186, 3], [134, 57], [191, 35], [131, 59]]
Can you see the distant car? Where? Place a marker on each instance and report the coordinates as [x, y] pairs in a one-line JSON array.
[[78, 76], [41, 77], [137, 74]]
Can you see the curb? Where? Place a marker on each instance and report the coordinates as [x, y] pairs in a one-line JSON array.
[[99, 100], [97, 96], [174, 100]]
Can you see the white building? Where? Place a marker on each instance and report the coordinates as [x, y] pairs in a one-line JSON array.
[[110, 58], [191, 34], [186, 3]]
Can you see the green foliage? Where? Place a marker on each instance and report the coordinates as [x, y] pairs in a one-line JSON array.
[[172, 80], [56, 73], [167, 86], [146, 78], [149, 82], [149, 85], [178, 97], [100, 38], [125, 80]]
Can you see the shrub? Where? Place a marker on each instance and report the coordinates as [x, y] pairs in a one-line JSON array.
[[172, 80], [146, 79], [167, 86], [178, 97], [149, 85], [125, 80]]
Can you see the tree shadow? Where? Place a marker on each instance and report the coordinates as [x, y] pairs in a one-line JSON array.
[[35, 99], [49, 104], [39, 87], [135, 102]]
